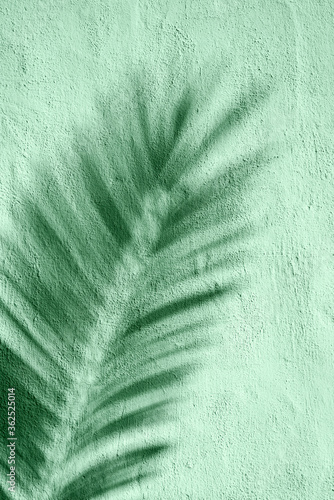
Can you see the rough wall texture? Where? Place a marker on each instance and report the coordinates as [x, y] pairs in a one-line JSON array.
[[256, 422]]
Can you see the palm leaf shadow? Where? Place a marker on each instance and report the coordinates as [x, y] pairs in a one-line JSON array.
[[104, 252], [110, 475]]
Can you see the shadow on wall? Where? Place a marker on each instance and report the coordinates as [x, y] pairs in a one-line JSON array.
[[110, 290]]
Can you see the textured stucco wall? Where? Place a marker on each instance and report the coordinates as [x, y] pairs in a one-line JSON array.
[[257, 421]]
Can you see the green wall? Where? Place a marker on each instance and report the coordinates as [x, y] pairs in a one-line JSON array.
[[255, 422]]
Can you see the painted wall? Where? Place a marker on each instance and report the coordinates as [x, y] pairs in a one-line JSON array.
[[256, 422]]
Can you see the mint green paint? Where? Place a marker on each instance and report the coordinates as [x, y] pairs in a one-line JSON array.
[[94, 95]]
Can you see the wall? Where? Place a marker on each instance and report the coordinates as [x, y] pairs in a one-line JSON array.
[[256, 422]]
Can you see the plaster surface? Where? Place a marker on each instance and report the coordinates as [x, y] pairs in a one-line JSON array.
[[256, 422]]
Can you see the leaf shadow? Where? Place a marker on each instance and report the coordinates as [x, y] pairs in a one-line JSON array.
[[72, 249]]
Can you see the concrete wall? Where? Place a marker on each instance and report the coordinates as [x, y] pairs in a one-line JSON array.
[[257, 421]]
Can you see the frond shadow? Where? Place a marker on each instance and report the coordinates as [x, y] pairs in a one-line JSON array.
[[111, 475], [94, 292]]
